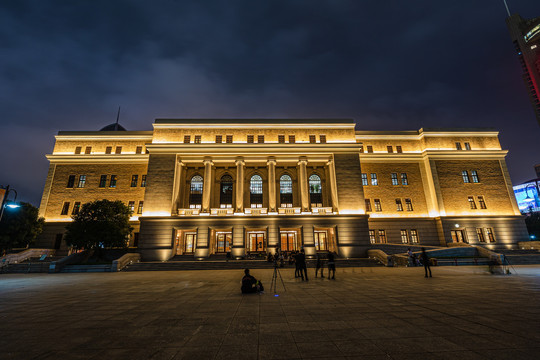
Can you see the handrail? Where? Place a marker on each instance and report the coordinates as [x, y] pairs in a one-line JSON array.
[[380, 255], [24, 255], [56, 266], [125, 260]]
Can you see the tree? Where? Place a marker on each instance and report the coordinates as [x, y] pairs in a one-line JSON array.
[[100, 225], [20, 227]]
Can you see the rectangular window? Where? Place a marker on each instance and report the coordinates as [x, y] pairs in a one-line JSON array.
[[112, 183], [71, 181], [197, 139], [369, 149], [65, 208], [404, 237], [108, 150], [390, 149], [76, 208], [414, 236], [292, 139], [118, 150], [382, 236], [143, 181], [472, 204], [312, 139], [482, 202], [103, 181], [377, 203], [465, 176], [138, 150], [229, 139], [187, 139], [281, 139], [395, 179], [480, 234], [368, 205], [467, 146], [322, 139], [361, 149], [490, 236], [260, 139], [140, 207], [374, 179], [458, 146], [364, 179], [250, 139], [88, 150], [131, 206], [404, 180], [134, 180], [408, 204], [399, 205], [372, 238], [78, 150], [219, 139], [474, 176], [82, 181], [398, 149]]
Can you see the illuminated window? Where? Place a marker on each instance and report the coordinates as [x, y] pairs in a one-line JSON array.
[[482, 202], [474, 176], [140, 207], [131, 206], [281, 139], [408, 204], [250, 139], [229, 139], [219, 139], [187, 139], [414, 236], [458, 146], [395, 179], [256, 191], [260, 139], [88, 150], [195, 192], [312, 139], [315, 191], [134, 180], [490, 236], [467, 146], [399, 205], [390, 149], [374, 179], [398, 149], [103, 181], [364, 179], [82, 181], [108, 150], [368, 205], [197, 139], [76, 208], [465, 176], [143, 181], [118, 150], [480, 234], [322, 139], [377, 203], [472, 204], [285, 191], [65, 208], [112, 183], [382, 236], [320, 238], [78, 150], [138, 150], [369, 149], [71, 181], [292, 139], [404, 180], [226, 190], [404, 237], [372, 238]]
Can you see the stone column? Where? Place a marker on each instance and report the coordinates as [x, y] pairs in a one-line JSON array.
[[178, 187], [271, 184], [302, 184], [332, 182], [240, 185], [207, 185]]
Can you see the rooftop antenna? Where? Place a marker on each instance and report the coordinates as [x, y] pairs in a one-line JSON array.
[[506, 5], [117, 118]]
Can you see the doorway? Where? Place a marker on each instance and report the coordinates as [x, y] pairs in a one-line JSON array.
[[288, 240], [223, 241], [458, 236], [256, 241], [320, 238], [186, 242]]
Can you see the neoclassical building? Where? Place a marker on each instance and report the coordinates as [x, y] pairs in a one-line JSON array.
[[200, 187]]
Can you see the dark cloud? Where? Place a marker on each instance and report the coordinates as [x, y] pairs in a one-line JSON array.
[[390, 65]]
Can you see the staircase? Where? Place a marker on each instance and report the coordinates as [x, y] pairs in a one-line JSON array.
[[86, 268], [31, 265], [521, 256]]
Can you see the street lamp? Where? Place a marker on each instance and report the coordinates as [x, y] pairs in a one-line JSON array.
[[4, 193]]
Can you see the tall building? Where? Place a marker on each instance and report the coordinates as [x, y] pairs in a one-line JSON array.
[[201, 187], [525, 35]]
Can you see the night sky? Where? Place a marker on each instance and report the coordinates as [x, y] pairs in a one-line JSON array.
[[390, 65]]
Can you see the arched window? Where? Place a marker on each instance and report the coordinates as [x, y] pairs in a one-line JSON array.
[[285, 191], [226, 189], [195, 192], [256, 191], [315, 191]]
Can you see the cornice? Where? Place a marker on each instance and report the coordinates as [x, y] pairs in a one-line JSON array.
[[435, 155], [98, 159]]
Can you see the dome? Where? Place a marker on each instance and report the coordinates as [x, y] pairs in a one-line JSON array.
[[113, 127]]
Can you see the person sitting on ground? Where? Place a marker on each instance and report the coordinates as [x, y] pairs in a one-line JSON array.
[[250, 285]]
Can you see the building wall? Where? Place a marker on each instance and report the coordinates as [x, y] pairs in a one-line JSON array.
[[426, 228], [349, 183], [161, 175]]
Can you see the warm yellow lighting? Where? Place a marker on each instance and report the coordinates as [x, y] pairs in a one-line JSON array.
[[156, 213], [351, 211]]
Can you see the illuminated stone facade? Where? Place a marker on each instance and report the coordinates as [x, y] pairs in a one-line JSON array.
[[204, 187]]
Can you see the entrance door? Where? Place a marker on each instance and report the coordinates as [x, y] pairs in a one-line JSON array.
[[321, 240], [458, 236], [223, 242], [190, 239], [256, 241], [288, 241]]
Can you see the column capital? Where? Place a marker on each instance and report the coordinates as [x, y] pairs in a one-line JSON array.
[[208, 161], [302, 161], [330, 161], [240, 161], [180, 162], [271, 161]]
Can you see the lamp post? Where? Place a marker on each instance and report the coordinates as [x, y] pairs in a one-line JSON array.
[[5, 192]]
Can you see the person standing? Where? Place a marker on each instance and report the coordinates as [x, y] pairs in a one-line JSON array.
[[301, 263], [412, 258], [425, 261], [319, 266], [331, 265]]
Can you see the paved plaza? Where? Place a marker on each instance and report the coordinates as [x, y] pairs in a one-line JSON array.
[[366, 313]]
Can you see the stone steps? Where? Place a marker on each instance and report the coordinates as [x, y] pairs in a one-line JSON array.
[[27, 267], [523, 259], [86, 268]]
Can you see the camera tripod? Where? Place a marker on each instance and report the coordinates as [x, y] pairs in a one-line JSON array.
[[273, 283]]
